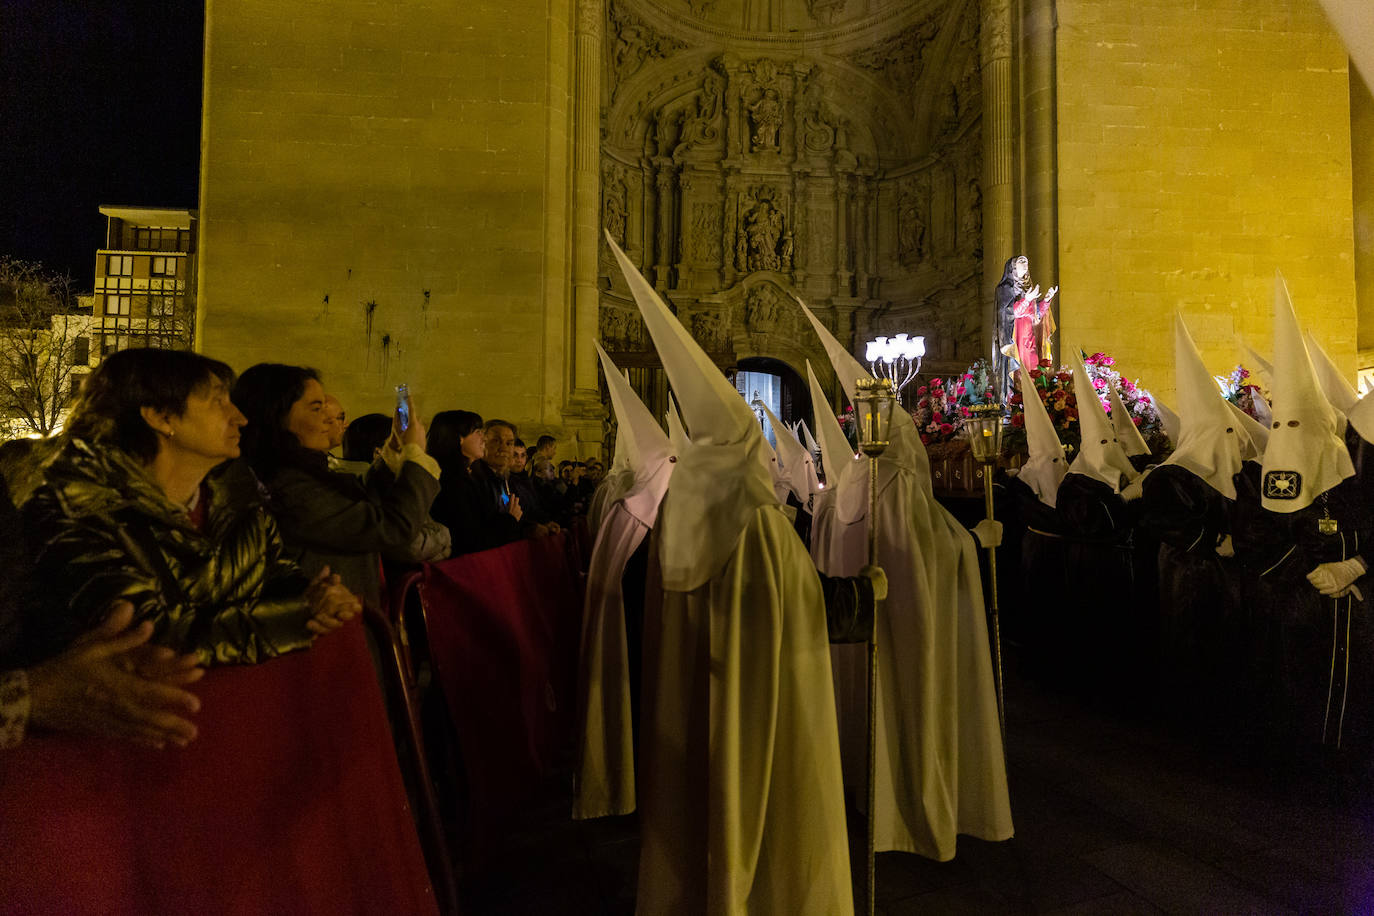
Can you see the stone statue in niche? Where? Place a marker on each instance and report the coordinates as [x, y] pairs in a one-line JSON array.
[[818, 121], [761, 309], [761, 238], [765, 116], [971, 214], [911, 225], [612, 328], [613, 208]]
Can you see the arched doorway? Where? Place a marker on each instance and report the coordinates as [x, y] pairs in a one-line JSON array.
[[776, 384]]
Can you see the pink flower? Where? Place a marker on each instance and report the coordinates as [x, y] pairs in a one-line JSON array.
[[959, 390], [922, 390], [1135, 420], [937, 382], [966, 412]]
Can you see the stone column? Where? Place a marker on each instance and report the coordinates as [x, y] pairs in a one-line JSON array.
[[586, 199], [999, 134], [863, 241], [1040, 197], [842, 271], [872, 233], [664, 245]]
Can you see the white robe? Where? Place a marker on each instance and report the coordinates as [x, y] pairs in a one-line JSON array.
[[742, 808], [940, 769]]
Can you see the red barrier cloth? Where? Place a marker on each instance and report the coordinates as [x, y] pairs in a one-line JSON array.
[[503, 630], [289, 801]]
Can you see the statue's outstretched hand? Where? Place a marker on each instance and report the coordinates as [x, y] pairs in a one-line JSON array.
[[1050, 295]]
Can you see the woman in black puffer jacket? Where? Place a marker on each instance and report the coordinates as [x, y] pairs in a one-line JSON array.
[[144, 503]]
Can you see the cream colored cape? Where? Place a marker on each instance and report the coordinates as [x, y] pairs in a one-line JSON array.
[[940, 766], [741, 806]]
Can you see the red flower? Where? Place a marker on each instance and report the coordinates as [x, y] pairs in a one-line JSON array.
[[1135, 420], [1016, 399], [966, 412], [1071, 413], [946, 429], [925, 439], [1127, 384], [937, 417], [1045, 362], [922, 390], [1018, 420], [937, 382], [1063, 376], [1071, 401], [1035, 373], [959, 390]]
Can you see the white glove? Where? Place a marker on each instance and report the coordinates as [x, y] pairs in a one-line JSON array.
[[1226, 548], [1331, 579], [1135, 489], [876, 575], [1352, 590], [988, 532]]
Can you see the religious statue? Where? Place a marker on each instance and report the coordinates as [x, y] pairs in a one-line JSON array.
[[760, 309], [763, 228], [615, 209], [1021, 313], [911, 230], [766, 115]]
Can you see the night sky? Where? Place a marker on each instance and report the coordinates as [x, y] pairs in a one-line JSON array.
[[99, 104]]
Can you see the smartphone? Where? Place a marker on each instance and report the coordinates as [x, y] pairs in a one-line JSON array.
[[403, 405]]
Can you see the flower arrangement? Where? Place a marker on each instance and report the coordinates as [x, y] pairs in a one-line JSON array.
[[1056, 392], [1240, 389], [943, 406]]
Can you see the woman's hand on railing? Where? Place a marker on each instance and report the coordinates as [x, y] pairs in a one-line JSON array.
[[331, 603]]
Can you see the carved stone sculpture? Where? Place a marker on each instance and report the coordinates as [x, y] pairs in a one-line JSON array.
[[613, 207], [633, 44], [761, 237], [761, 308], [765, 116]]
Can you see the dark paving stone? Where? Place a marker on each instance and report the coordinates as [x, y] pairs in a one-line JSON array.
[[1122, 904], [1176, 883], [966, 898]]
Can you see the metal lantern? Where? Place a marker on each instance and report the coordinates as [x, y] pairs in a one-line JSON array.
[[873, 402], [984, 425]]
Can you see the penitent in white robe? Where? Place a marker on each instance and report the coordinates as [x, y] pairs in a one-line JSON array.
[[741, 805], [940, 768]]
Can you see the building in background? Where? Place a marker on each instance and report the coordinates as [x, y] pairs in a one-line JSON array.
[[145, 280]]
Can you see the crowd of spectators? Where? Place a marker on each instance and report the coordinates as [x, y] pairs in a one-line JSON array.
[[187, 517]]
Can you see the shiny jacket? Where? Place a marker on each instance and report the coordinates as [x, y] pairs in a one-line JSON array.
[[100, 529]]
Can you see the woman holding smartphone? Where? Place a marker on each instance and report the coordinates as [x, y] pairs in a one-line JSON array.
[[334, 519]]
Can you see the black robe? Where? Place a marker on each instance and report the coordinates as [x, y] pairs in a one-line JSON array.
[[1313, 656]]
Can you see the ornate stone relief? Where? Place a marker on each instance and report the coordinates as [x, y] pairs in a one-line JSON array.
[[763, 240], [739, 179], [899, 60], [614, 208], [825, 11], [633, 43]]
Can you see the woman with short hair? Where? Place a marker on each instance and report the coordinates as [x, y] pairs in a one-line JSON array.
[[143, 503]]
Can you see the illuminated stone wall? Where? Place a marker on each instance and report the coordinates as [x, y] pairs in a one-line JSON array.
[[384, 196], [1201, 146]]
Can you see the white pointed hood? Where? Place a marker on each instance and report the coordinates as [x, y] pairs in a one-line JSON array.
[[1099, 455], [1211, 442], [804, 434], [1132, 442], [798, 469], [1262, 365], [643, 455], [775, 471], [1362, 417], [1339, 392], [904, 448], [721, 479], [677, 433], [1256, 436], [1044, 470], [845, 473], [1306, 455], [1169, 420]]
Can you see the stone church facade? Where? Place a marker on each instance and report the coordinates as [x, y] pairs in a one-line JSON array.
[[417, 192]]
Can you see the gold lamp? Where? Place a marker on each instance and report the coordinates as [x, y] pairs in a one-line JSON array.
[[874, 399], [984, 427]]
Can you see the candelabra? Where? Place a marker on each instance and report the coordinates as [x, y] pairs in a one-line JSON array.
[[985, 441], [873, 402], [897, 359]]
